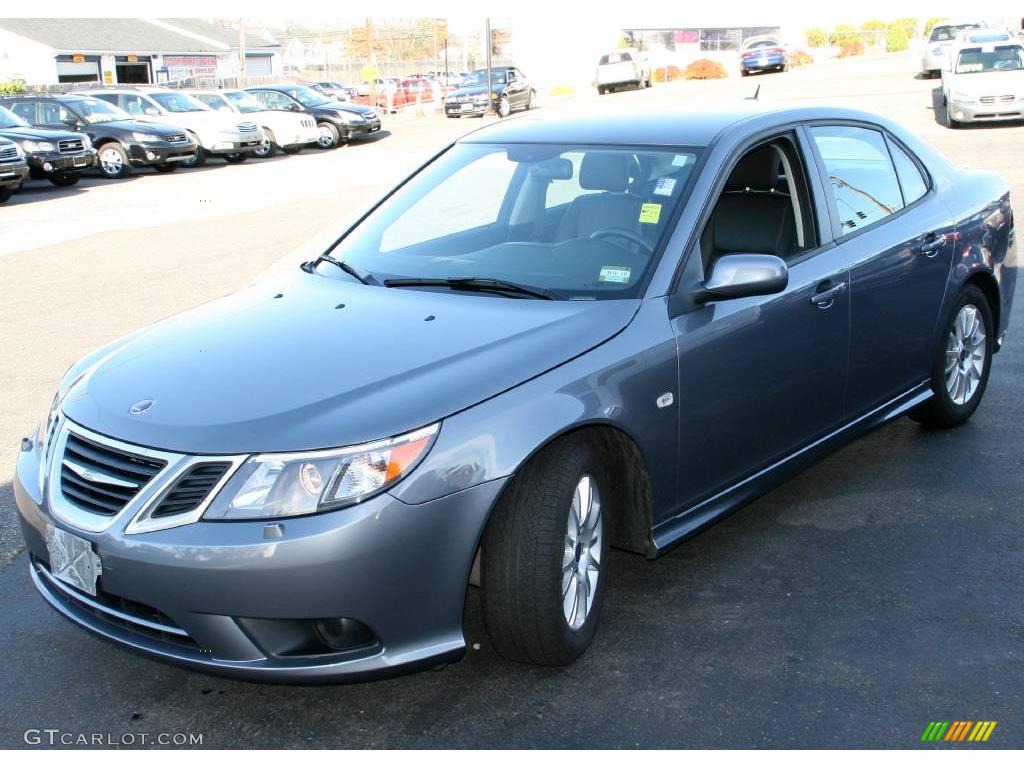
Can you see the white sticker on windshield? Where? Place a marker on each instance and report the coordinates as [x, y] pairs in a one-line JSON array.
[[614, 275], [664, 186], [680, 160]]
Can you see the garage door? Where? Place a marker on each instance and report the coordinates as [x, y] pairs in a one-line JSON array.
[[78, 71], [258, 65]]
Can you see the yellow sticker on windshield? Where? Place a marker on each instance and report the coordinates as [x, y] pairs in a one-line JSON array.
[[650, 213]]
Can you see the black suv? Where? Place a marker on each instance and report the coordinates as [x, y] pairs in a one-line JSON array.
[[13, 168], [338, 121], [510, 91], [120, 141], [55, 155]]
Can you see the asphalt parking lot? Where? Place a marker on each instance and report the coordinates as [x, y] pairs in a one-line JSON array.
[[877, 592]]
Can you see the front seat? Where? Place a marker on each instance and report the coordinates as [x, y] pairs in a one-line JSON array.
[[608, 174], [752, 215]]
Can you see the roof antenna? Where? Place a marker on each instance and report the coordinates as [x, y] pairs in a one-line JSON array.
[[757, 92]]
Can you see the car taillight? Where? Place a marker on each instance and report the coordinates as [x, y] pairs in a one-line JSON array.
[[774, 50]]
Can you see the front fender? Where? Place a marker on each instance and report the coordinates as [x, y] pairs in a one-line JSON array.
[[616, 384]]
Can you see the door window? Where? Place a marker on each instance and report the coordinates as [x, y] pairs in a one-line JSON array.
[[133, 103], [51, 113], [273, 99], [863, 181], [913, 183], [26, 110]]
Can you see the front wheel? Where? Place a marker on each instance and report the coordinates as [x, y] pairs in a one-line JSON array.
[[329, 136], [198, 159], [266, 149], [961, 364], [504, 107], [544, 556], [951, 121], [113, 161], [63, 179]]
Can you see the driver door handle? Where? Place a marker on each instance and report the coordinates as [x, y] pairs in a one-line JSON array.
[[827, 293], [932, 244]]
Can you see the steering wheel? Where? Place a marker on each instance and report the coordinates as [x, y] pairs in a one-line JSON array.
[[625, 234]]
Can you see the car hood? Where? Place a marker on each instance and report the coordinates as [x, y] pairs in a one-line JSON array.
[[141, 126], [989, 83], [315, 362], [475, 90], [359, 109], [206, 120], [39, 134]]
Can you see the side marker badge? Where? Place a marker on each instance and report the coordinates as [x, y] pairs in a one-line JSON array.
[[665, 400]]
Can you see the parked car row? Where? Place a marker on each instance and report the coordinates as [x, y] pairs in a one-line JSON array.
[[57, 136]]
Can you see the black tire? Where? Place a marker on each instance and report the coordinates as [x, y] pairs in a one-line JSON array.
[[529, 102], [650, 82], [5, 194], [523, 551], [112, 160], [236, 157], [197, 160], [504, 107], [63, 179], [330, 136], [744, 73], [165, 167], [601, 90], [940, 411], [268, 147], [952, 122]]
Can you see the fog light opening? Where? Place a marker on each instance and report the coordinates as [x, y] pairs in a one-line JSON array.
[[343, 634], [151, 156], [47, 167]]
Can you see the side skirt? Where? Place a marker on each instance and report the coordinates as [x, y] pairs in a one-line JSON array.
[[692, 520]]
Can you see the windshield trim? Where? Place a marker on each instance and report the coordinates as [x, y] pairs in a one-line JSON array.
[[658, 253]]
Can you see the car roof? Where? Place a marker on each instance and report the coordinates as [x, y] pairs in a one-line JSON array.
[[672, 127], [979, 36]]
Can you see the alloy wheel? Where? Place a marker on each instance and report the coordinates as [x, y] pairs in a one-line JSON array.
[[965, 354], [581, 563], [111, 162], [326, 138]]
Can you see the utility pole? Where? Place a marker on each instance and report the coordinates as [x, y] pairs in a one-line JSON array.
[[241, 49], [487, 55]]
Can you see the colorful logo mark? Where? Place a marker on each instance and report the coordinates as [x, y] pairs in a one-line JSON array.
[[959, 730]]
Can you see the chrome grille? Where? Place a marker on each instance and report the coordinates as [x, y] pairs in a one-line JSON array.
[[9, 153], [1005, 99], [176, 137], [247, 127], [102, 479], [191, 489], [71, 145]]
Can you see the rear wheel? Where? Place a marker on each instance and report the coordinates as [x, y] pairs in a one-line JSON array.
[[961, 364], [113, 161], [63, 179], [544, 557]]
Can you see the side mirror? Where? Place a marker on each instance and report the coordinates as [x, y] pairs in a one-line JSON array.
[[737, 275], [151, 111], [72, 122]]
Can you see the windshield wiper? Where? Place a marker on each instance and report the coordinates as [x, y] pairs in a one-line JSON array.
[[366, 278], [472, 284]]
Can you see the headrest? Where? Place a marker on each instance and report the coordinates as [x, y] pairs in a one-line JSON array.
[[607, 171], [756, 170]]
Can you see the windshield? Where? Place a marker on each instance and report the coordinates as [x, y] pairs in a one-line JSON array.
[[581, 222], [763, 43], [244, 102], [947, 32], [990, 58], [98, 111], [307, 97], [10, 120], [479, 77], [178, 102]]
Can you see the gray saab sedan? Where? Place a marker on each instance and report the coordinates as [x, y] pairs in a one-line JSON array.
[[556, 337]]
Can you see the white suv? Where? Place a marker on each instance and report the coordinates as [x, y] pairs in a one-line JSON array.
[[232, 138], [286, 131]]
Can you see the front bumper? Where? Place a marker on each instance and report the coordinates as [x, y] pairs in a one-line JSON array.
[[237, 598], [467, 109], [12, 174], [157, 153], [230, 145], [304, 138], [997, 111], [45, 163], [370, 126]]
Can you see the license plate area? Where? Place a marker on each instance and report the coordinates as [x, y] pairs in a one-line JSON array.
[[467, 108], [81, 162], [72, 560]]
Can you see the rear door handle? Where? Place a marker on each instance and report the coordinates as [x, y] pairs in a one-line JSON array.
[[826, 294], [932, 244]]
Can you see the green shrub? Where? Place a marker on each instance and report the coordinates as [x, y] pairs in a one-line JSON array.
[[11, 87], [704, 69], [896, 39], [816, 37], [843, 34]]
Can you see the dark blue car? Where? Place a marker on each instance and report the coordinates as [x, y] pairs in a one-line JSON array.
[[763, 54], [556, 337]]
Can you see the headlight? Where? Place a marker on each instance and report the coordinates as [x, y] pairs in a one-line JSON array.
[[273, 485], [962, 97], [47, 427], [39, 146], [139, 136], [350, 118], [482, 98]]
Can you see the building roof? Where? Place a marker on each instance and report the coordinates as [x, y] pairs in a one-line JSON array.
[[112, 35], [255, 37]]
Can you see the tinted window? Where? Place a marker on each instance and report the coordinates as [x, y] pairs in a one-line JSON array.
[[990, 58], [133, 104], [863, 180], [273, 99], [948, 31], [26, 110], [52, 113], [913, 183]]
